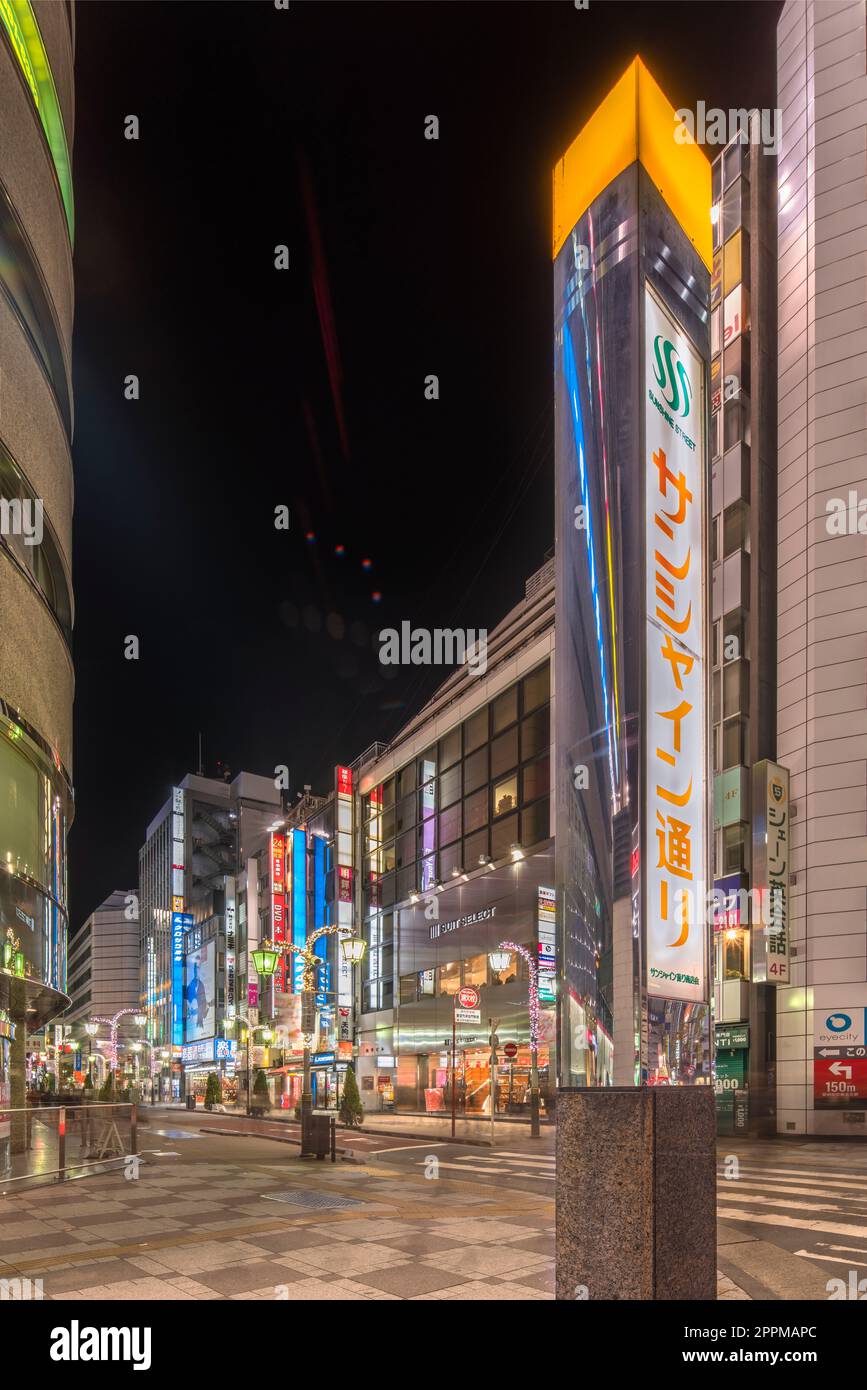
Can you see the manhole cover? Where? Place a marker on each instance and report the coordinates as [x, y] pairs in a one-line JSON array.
[[295, 1198]]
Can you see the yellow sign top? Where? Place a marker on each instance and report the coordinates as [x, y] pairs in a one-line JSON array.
[[636, 121]]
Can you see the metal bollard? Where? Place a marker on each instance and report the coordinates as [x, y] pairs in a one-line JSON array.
[[133, 1131], [61, 1144], [333, 1141]]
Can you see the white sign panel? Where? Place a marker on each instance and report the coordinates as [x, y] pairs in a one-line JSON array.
[[468, 1016], [844, 1027], [675, 796]]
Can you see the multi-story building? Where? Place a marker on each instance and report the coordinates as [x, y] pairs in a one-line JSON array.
[[36, 673], [743, 507], [192, 866], [822, 575], [103, 972], [454, 855], [104, 962]]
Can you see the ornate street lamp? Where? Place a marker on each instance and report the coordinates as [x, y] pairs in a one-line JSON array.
[[265, 960], [500, 961], [353, 949]]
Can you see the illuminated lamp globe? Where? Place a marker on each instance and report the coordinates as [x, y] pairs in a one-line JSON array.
[[353, 949], [500, 961], [265, 960]]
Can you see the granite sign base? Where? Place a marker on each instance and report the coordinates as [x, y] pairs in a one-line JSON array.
[[636, 1193]]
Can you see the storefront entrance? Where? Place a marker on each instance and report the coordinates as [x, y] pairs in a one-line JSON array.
[[473, 1082]]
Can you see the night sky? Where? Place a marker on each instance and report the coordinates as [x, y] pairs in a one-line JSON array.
[[305, 387]]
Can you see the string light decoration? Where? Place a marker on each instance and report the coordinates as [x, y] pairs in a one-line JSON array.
[[534, 989]]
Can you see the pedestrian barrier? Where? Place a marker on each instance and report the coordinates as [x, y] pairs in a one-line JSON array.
[[55, 1142]]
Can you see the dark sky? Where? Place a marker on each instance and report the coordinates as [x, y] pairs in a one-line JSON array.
[[304, 387]]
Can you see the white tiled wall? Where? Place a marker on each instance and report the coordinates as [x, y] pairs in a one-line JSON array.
[[822, 579]]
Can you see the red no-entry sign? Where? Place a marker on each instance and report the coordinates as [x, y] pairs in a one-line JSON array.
[[468, 997], [511, 1049]]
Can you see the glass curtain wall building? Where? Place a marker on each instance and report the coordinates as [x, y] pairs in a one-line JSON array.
[[36, 672]]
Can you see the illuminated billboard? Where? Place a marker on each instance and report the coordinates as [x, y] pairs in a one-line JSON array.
[[675, 807], [200, 1013], [632, 243]]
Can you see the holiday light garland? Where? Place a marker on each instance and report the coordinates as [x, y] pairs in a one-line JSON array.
[[534, 989]]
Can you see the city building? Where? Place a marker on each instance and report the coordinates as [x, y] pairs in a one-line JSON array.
[[822, 574], [200, 853], [104, 971], [743, 644], [36, 672], [453, 855]]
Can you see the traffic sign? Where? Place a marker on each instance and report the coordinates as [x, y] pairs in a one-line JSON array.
[[467, 998], [840, 1082], [511, 1049], [467, 1016]]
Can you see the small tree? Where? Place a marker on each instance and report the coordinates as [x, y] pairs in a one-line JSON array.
[[212, 1091], [106, 1091], [261, 1097], [351, 1109]]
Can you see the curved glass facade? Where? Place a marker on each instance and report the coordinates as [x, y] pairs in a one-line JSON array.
[[34, 803]]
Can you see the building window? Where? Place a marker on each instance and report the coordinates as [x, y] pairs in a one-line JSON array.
[[504, 752], [476, 730], [536, 733], [504, 834], [476, 770], [476, 811], [450, 748], [449, 978], [504, 710], [476, 970], [505, 797], [537, 688], [536, 823], [450, 825]]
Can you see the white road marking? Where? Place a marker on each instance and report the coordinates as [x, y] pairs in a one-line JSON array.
[[834, 1259], [831, 1228]]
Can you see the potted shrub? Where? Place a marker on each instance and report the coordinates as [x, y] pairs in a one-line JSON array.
[[261, 1098], [212, 1091], [351, 1109]]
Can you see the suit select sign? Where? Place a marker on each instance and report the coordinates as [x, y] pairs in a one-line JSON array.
[[675, 696]]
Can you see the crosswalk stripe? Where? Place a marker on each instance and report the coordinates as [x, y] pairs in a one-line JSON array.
[[798, 1206], [740, 1185], [831, 1228], [834, 1259], [815, 1174]]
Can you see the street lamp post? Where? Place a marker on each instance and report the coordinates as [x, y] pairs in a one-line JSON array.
[[265, 963], [496, 959]]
